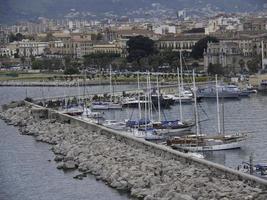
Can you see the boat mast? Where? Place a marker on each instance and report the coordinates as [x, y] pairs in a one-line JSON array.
[[84, 100], [179, 91], [158, 98], [139, 104], [150, 98], [218, 108], [262, 55], [195, 102], [79, 93], [42, 93], [146, 102], [110, 82], [223, 127], [181, 66]]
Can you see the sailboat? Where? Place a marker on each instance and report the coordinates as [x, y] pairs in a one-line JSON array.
[[201, 142], [107, 105], [171, 127], [72, 109], [142, 128]]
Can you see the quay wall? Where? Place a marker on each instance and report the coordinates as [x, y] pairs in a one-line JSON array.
[[156, 149]]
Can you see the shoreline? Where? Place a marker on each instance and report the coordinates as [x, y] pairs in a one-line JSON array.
[[142, 174]]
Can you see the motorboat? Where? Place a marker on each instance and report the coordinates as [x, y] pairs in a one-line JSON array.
[[72, 110], [177, 98], [229, 91], [133, 102], [105, 105], [90, 114], [99, 105], [115, 125]]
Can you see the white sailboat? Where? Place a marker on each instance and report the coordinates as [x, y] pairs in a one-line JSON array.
[[73, 110], [107, 105], [200, 142], [175, 127]]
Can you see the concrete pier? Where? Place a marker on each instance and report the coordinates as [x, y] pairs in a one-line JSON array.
[[148, 171]]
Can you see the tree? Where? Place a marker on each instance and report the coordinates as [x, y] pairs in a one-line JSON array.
[[242, 65], [254, 65], [97, 37], [17, 37], [49, 37], [139, 47], [215, 69], [47, 64], [195, 65], [198, 49], [22, 60], [71, 71], [99, 59]]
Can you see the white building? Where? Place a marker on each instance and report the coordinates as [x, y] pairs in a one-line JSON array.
[[29, 48], [165, 29], [223, 23], [5, 52]]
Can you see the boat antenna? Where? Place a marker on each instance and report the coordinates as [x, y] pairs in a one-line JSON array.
[[251, 163], [195, 102], [146, 102], [179, 91], [139, 104], [110, 82], [262, 55], [218, 108], [181, 67], [158, 98]]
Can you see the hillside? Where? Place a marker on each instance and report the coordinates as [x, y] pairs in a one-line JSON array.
[[13, 10]]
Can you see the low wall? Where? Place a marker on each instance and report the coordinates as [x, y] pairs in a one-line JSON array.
[[159, 150]]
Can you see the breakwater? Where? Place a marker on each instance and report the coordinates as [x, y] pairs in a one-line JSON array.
[[145, 170]]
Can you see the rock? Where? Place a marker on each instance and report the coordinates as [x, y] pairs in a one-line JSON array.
[[182, 197], [60, 166], [128, 167], [69, 165], [58, 158], [80, 176]]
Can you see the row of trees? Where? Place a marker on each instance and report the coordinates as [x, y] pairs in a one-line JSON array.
[[142, 52], [53, 64]]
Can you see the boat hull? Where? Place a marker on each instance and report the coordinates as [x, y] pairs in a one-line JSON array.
[[218, 147], [173, 132]]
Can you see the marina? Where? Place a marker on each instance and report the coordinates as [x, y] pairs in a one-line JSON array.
[[133, 100], [236, 108], [230, 158]]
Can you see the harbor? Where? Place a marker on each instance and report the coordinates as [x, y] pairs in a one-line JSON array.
[[122, 100], [131, 159], [230, 158]]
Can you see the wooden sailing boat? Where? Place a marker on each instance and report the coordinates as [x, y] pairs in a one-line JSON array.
[[200, 142]]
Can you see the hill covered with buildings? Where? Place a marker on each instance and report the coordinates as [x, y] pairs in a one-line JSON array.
[[15, 10]]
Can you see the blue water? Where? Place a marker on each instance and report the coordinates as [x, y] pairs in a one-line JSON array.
[[27, 169], [26, 173], [247, 115]]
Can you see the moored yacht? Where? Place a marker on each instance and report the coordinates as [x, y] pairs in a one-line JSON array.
[[200, 142]]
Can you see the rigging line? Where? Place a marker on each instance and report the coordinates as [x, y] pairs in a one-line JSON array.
[[191, 79], [164, 115], [131, 114], [203, 110]]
